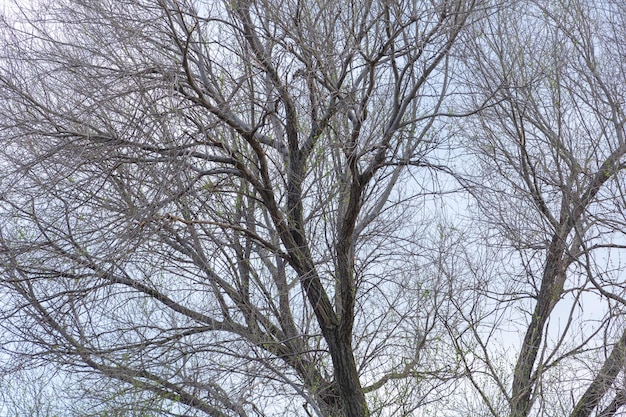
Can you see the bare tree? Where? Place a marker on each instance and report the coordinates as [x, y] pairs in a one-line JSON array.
[[219, 205], [550, 164]]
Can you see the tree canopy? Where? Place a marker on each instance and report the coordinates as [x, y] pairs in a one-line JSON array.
[[313, 207]]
